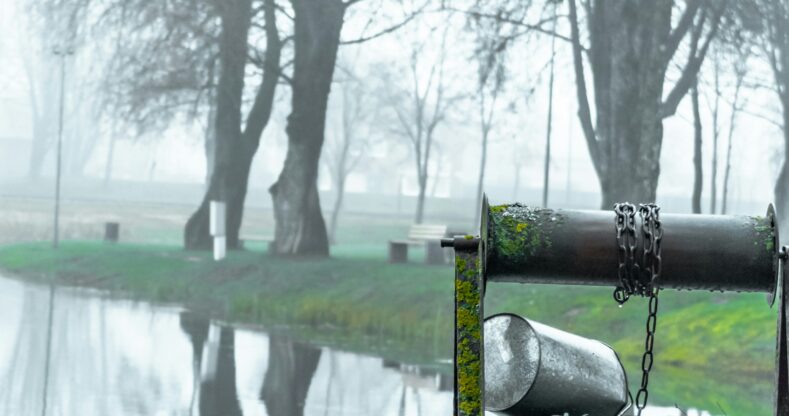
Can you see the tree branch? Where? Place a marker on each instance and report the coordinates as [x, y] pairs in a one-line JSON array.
[[385, 31], [691, 70], [537, 27], [685, 23], [584, 113], [260, 113]]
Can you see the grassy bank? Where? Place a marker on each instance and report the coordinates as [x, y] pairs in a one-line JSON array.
[[712, 349]]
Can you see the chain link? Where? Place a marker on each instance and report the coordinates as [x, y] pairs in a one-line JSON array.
[[626, 247], [642, 277]]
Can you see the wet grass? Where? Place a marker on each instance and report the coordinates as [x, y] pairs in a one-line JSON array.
[[713, 350]]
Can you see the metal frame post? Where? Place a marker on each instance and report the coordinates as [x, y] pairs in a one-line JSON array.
[[469, 398]]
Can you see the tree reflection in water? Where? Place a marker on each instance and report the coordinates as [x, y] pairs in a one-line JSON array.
[[291, 367], [217, 386]]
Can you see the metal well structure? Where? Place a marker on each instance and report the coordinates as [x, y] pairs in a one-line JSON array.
[[521, 244]]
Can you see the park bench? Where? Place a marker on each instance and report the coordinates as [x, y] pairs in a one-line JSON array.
[[255, 238], [425, 235]]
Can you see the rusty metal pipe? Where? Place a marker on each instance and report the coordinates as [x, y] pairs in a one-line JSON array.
[[569, 247]]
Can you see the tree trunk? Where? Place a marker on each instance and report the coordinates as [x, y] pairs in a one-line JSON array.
[[732, 125], [715, 134], [335, 215], [626, 58], [698, 176], [300, 228], [228, 170], [109, 161], [38, 152], [235, 149], [420, 199], [782, 183], [210, 141], [726, 175], [291, 367], [547, 163], [483, 159], [42, 88]]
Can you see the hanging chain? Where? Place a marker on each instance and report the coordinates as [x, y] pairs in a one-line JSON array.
[[652, 233], [641, 278], [626, 247]]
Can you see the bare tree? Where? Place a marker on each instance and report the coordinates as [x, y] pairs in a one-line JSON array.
[[202, 54], [299, 225], [631, 46], [740, 70], [775, 47], [300, 228], [420, 108], [549, 128], [235, 148], [698, 177], [48, 26], [344, 149], [716, 132], [491, 74]]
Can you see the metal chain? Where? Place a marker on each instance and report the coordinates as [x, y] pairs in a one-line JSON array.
[[626, 247], [652, 233], [642, 277]]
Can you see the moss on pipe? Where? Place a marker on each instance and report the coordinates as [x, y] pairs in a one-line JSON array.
[[468, 318], [517, 233]]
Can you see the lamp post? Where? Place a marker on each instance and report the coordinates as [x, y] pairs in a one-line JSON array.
[[62, 53]]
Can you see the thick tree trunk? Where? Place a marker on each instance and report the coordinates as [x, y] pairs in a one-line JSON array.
[[235, 149], [300, 228], [632, 127], [291, 367], [626, 60], [228, 171], [698, 172]]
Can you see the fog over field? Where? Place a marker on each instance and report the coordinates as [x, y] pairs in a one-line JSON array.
[[235, 207]]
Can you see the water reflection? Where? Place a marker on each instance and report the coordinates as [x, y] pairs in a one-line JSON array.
[[125, 358], [288, 377], [115, 357]]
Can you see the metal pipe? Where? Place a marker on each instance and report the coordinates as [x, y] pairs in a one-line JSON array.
[[699, 252]]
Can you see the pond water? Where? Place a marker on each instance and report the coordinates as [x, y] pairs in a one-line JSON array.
[[76, 352]]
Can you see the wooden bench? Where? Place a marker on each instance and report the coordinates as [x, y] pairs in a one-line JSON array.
[[425, 235], [265, 239]]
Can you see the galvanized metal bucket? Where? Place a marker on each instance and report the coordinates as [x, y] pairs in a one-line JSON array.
[[533, 369]]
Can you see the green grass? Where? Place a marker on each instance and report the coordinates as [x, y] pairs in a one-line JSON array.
[[712, 349]]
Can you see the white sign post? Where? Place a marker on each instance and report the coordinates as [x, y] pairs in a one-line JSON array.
[[217, 229]]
